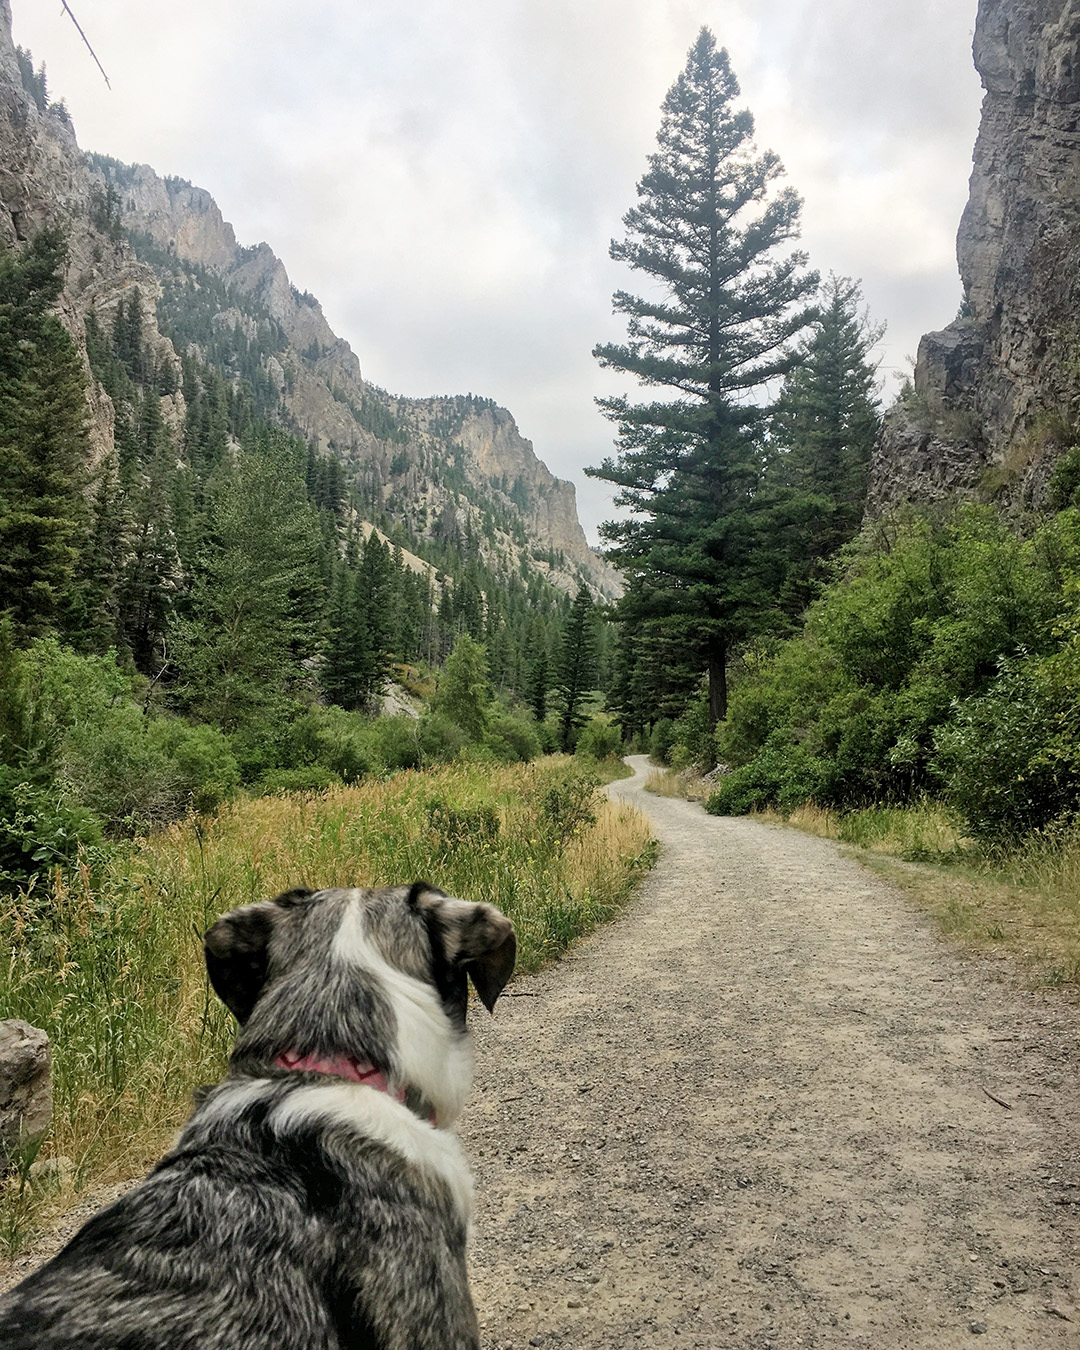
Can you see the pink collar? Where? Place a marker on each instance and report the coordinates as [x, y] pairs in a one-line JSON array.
[[344, 1066]]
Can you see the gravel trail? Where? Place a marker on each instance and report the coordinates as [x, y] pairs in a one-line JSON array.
[[758, 1111]]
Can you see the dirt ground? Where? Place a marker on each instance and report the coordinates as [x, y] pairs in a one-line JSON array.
[[772, 1107]]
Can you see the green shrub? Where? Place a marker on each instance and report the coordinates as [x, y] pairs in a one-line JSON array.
[[338, 740], [396, 743], [207, 773], [695, 738], [306, 778], [780, 776], [441, 740], [919, 622], [662, 740], [1010, 759], [599, 739], [513, 740], [135, 771], [38, 829], [1064, 486]]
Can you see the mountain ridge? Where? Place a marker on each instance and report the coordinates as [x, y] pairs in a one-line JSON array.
[[450, 467], [330, 403]]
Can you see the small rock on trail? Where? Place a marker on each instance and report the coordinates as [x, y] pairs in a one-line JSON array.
[[771, 1107]]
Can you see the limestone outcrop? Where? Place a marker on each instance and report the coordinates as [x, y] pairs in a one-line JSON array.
[[325, 394], [997, 393], [44, 178]]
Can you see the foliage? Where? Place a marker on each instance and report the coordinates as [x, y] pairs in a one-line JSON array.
[[511, 739], [43, 440], [823, 428], [702, 543], [576, 673], [255, 605], [599, 739], [779, 775], [943, 652], [693, 738], [1009, 759], [463, 693]]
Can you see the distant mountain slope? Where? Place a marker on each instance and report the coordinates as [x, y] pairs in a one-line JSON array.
[[453, 471], [447, 464]]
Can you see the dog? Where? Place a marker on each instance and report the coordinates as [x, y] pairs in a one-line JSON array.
[[316, 1198]]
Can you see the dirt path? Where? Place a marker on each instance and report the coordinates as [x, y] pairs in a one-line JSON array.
[[753, 1112]]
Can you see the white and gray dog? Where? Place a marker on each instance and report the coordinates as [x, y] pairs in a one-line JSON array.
[[316, 1197]]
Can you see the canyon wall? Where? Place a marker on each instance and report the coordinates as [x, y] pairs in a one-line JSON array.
[[996, 395]]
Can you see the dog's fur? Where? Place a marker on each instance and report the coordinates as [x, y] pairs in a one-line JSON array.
[[299, 1209]]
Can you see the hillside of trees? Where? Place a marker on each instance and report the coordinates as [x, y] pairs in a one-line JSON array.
[[206, 610]]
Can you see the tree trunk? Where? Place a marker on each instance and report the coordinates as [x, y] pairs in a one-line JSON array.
[[717, 681]]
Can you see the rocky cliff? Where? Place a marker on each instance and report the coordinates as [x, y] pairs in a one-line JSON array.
[[997, 393], [425, 460], [458, 466], [44, 177]]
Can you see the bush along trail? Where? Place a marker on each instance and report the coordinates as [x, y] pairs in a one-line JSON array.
[[770, 1106]]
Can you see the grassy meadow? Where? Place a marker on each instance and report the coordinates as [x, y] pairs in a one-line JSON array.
[[111, 966]]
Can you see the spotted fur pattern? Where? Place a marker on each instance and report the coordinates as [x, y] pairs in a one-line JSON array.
[[299, 1210]]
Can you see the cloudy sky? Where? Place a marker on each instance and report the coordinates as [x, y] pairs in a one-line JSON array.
[[446, 175]]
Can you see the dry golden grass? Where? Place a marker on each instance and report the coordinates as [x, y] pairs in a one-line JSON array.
[[113, 968], [684, 783]]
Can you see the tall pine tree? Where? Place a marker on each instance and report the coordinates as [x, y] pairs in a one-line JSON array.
[[43, 438], [577, 667], [729, 298], [826, 420]]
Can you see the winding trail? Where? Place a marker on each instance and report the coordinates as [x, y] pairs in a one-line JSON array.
[[753, 1112]]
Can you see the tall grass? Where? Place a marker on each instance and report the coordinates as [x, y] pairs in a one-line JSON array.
[[113, 969], [924, 830], [685, 783]]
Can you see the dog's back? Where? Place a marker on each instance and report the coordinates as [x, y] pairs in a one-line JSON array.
[[299, 1210]]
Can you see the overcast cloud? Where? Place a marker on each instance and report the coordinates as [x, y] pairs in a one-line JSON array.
[[446, 176]]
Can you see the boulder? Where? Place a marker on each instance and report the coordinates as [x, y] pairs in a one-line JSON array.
[[25, 1086]]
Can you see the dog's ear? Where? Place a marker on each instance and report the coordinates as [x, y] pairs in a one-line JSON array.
[[237, 955], [478, 939]]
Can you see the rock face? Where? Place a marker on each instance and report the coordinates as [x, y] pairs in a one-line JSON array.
[[44, 178], [25, 1086], [999, 389], [323, 390], [460, 462]]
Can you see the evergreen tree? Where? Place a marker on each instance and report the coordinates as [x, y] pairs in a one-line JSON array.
[[346, 671], [538, 685], [464, 693], [93, 619], [241, 651], [711, 230], [43, 437], [826, 420], [577, 667]]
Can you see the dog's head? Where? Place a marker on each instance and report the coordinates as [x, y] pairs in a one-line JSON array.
[[379, 973]]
